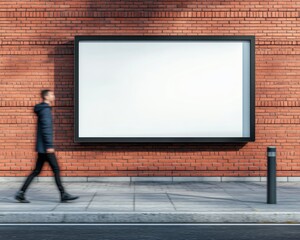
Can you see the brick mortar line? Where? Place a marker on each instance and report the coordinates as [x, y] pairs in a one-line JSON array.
[[71, 54], [149, 10], [294, 43], [30, 106], [216, 170]]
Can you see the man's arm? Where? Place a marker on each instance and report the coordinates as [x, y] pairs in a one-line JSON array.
[[46, 128]]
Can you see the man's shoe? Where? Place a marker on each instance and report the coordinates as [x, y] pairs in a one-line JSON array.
[[67, 197], [20, 196]]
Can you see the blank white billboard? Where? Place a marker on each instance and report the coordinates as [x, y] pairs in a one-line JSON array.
[[135, 89]]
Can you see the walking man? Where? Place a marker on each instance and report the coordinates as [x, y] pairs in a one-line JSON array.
[[44, 148]]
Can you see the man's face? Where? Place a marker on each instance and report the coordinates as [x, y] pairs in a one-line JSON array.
[[50, 97]]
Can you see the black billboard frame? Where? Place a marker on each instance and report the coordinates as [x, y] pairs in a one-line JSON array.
[[78, 139]]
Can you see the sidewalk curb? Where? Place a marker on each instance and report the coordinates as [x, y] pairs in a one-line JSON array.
[[150, 217]]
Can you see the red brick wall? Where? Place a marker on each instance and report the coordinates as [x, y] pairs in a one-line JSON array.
[[36, 39]]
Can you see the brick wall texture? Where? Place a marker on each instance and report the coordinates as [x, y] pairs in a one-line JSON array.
[[37, 40]]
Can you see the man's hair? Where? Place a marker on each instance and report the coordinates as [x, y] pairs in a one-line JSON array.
[[44, 93]]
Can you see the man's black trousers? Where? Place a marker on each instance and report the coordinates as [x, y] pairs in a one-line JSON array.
[[42, 158]]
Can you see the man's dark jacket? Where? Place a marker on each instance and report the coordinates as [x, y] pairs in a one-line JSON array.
[[44, 137]]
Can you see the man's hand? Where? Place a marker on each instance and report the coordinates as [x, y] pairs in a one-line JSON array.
[[50, 150]]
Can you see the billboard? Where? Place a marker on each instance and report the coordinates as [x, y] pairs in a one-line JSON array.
[[164, 89]]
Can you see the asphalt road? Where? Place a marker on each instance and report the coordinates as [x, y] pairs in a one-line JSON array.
[[141, 232]]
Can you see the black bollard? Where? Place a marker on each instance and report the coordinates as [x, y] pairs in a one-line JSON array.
[[271, 178]]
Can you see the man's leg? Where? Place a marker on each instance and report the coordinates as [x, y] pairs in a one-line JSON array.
[[55, 167], [38, 167]]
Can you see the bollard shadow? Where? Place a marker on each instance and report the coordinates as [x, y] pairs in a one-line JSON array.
[[219, 200]]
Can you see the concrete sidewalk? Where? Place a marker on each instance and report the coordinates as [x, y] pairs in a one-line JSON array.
[[152, 202]]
